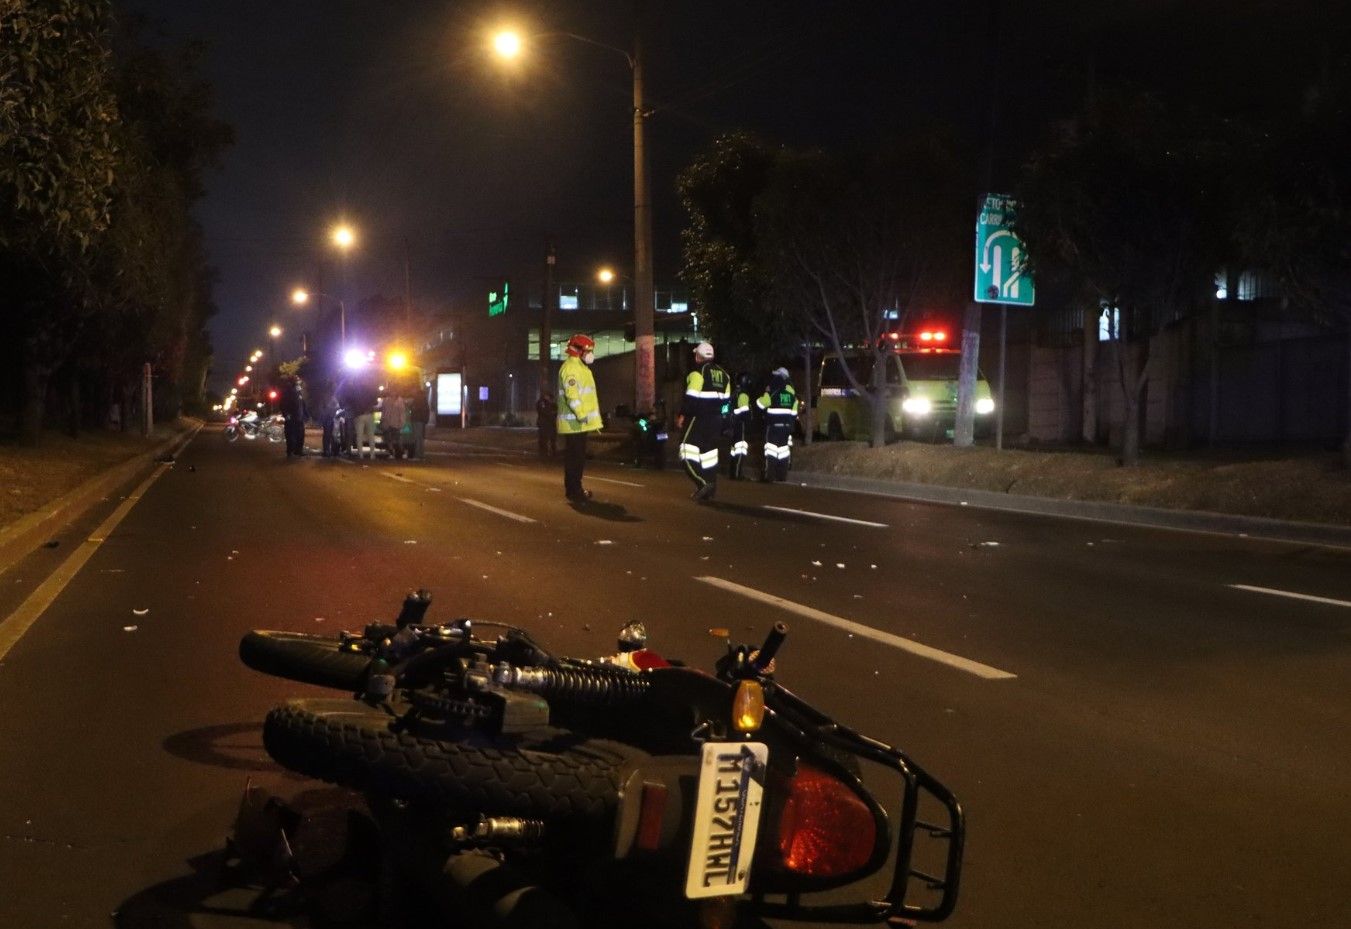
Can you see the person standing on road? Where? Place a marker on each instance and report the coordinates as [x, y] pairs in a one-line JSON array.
[[332, 443], [741, 421], [578, 412], [358, 400], [780, 406], [393, 414], [419, 414], [292, 403], [546, 421], [707, 400]]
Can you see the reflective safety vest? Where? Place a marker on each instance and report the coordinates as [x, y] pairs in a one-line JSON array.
[[780, 407], [578, 405], [741, 418], [708, 392]]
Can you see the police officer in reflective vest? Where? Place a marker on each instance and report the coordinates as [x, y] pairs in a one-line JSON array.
[[741, 421], [779, 404], [578, 412], [708, 396]]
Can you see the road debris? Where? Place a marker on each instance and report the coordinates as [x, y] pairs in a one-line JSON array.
[[141, 612], [130, 628]]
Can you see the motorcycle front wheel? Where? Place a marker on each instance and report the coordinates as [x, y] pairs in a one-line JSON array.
[[274, 434], [231, 433], [310, 659], [551, 774]]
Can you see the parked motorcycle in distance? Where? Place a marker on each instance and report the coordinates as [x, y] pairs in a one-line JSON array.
[[506, 786], [250, 425]]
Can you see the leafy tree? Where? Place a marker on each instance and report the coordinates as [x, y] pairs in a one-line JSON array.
[[730, 285], [57, 161], [1297, 219], [849, 242], [1129, 201]]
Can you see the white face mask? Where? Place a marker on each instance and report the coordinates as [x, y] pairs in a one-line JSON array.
[[589, 357]]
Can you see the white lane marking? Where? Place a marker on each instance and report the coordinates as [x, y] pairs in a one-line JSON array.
[[838, 519], [610, 480], [14, 626], [508, 464], [1294, 596], [886, 638], [492, 509], [396, 477]]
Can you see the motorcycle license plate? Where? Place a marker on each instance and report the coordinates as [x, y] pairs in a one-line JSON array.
[[726, 818], [661, 437]]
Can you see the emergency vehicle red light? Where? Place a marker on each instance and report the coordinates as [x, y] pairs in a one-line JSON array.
[[825, 830], [940, 336], [926, 336], [272, 395]]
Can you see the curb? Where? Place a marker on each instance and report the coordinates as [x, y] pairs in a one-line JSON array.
[[1252, 527], [18, 539]]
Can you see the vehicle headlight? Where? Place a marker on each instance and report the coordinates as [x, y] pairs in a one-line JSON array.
[[916, 405], [984, 405]]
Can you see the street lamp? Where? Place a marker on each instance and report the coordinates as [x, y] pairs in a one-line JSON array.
[[509, 44], [275, 332], [300, 296], [343, 236]]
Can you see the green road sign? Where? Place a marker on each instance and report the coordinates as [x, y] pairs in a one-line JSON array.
[[1000, 257], [497, 307]]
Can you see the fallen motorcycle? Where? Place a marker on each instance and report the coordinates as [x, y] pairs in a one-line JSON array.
[[250, 425], [513, 787]]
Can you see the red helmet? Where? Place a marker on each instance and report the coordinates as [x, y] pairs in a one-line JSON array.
[[580, 344]]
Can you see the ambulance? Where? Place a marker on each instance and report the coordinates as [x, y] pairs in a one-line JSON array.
[[922, 370]]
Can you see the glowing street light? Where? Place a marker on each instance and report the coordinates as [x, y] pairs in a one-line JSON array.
[[301, 297], [508, 43], [248, 368], [244, 379], [343, 236], [605, 276], [396, 361], [355, 358], [275, 331]]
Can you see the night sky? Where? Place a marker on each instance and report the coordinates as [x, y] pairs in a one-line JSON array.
[[390, 113]]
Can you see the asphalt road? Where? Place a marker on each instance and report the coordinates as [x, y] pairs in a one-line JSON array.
[[1136, 741]]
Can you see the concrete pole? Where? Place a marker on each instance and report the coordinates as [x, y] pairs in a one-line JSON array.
[[644, 375], [147, 401]]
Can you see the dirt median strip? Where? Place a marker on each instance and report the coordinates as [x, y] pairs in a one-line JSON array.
[[24, 534]]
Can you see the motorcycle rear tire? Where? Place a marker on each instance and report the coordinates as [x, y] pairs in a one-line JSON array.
[[552, 774], [310, 659]]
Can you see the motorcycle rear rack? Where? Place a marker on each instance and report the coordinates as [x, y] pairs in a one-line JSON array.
[[813, 726]]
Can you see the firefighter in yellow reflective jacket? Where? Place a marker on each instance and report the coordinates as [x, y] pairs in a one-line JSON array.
[[578, 412], [780, 406], [741, 423], [708, 397]]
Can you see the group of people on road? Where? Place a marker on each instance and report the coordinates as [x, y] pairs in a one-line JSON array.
[[349, 419], [705, 412]]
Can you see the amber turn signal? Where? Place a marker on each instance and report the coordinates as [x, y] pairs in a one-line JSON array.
[[748, 706]]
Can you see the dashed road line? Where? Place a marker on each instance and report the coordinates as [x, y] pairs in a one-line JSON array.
[[397, 477], [877, 635], [610, 480], [1291, 594], [492, 509], [838, 519]]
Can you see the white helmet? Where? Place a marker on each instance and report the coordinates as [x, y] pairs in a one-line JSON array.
[[704, 351]]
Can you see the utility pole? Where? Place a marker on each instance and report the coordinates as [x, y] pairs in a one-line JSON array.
[[147, 401], [407, 292], [546, 336], [644, 379]]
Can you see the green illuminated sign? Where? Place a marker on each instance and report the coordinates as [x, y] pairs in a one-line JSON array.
[[497, 307], [1001, 274]]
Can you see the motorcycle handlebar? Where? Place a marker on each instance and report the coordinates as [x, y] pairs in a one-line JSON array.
[[765, 656]]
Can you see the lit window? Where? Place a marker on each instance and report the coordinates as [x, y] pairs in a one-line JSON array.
[[567, 297]]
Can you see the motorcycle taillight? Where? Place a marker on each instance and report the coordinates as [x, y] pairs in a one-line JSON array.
[[825, 828]]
